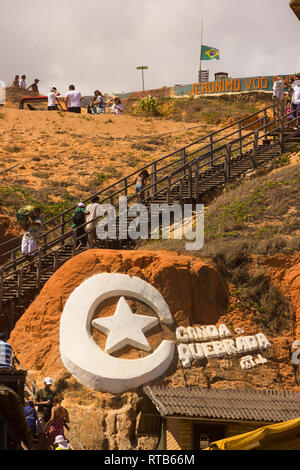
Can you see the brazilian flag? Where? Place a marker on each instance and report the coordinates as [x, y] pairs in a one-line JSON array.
[[209, 53]]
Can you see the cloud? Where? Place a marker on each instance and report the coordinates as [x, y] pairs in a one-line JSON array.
[[98, 44]]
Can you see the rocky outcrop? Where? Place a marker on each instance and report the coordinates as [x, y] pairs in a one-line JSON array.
[[196, 295]]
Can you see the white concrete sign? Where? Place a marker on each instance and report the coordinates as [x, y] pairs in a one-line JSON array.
[[200, 342], [91, 365], [248, 362]]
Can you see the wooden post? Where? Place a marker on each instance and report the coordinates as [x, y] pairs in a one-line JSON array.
[[227, 162], [55, 260], [240, 138], [169, 189], [1, 287], [190, 183], [265, 121], [154, 178], [281, 136], [20, 283], [62, 228], [182, 158], [14, 260], [73, 241], [211, 150], [39, 269], [197, 181], [254, 151], [3, 432], [12, 321], [181, 189]]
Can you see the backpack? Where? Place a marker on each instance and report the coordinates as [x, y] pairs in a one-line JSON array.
[[78, 218]]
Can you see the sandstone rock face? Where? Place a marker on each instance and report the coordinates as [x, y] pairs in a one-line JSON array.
[[194, 292], [196, 295]]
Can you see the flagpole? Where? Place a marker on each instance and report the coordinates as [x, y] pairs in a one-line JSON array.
[[201, 49]]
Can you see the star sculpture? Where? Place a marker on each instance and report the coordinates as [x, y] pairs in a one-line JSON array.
[[125, 328]]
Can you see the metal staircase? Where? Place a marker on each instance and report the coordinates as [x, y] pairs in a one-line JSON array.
[[184, 176]]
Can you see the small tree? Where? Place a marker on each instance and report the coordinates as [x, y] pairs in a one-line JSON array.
[[149, 106]]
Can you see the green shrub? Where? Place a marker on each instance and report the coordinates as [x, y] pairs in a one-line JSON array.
[[12, 148], [149, 106]]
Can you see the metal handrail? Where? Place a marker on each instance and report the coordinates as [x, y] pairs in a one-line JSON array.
[[193, 168], [209, 136], [59, 239]]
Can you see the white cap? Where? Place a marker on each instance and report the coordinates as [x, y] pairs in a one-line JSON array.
[[80, 204], [63, 443], [48, 381]]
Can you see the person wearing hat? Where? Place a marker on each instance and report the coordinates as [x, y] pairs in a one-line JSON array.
[[78, 220], [44, 402], [296, 101], [61, 443], [34, 87], [117, 106], [6, 352], [52, 106]]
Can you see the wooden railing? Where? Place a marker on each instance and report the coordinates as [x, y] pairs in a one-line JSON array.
[[161, 166], [30, 384], [171, 178]]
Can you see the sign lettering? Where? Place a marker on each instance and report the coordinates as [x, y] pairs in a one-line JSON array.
[[231, 85], [197, 343]]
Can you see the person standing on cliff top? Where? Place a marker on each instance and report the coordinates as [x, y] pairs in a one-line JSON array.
[[52, 106], [16, 81], [296, 101], [22, 83], [73, 100], [34, 87]]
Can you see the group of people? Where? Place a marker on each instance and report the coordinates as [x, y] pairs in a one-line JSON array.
[[73, 100], [86, 215], [83, 219], [21, 83], [287, 102], [48, 422]]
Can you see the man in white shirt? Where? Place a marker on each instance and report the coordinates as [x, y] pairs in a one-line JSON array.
[[73, 100], [52, 99], [296, 101], [22, 83], [278, 96], [91, 226]]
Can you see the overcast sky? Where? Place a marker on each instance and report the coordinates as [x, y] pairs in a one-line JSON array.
[[97, 44]]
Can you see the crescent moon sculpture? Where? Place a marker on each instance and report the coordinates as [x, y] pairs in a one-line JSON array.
[[85, 360]]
